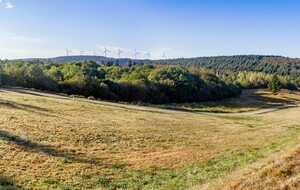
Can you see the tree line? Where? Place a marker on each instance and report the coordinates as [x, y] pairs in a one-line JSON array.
[[131, 82], [146, 83]]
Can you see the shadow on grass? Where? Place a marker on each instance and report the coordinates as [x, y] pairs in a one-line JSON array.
[[69, 155], [32, 92], [250, 99], [3, 90], [27, 107], [21, 106], [265, 100], [8, 184]]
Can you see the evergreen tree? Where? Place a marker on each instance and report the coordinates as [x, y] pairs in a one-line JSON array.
[[274, 85]]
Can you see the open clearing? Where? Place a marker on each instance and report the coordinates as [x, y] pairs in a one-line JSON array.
[[52, 143]]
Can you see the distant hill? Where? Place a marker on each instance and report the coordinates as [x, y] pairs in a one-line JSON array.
[[267, 64], [98, 59]]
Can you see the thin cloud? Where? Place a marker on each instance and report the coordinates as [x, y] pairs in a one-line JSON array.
[[25, 39], [8, 5], [22, 39], [27, 52], [15, 38]]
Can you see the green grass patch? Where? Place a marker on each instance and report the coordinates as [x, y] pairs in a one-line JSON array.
[[196, 173], [6, 183]]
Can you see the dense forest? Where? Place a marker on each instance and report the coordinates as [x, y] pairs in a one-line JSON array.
[[160, 83], [147, 83], [266, 64]]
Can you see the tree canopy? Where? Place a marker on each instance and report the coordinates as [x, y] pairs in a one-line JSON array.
[[148, 83]]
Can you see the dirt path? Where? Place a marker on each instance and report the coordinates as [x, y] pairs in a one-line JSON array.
[[144, 108]]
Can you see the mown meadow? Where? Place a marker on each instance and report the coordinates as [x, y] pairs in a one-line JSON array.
[[51, 143]]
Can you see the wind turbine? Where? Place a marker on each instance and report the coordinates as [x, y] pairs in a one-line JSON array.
[[68, 51], [164, 56], [105, 51], [119, 53], [95, 54], [148, 54], [136, 53], [81, 52]]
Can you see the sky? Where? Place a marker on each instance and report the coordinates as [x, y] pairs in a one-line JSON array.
[[180, 28]]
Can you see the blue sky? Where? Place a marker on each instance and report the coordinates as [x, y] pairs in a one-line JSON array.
[[180, 28]]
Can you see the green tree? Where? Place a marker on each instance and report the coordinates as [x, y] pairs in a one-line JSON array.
[[274, 85], [55, 73], [177, 83], [35, 78]]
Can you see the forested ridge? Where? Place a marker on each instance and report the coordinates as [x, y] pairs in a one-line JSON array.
[[267, 64], [258, 63]]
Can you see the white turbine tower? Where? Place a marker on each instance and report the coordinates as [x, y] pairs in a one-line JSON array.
[[136, 54], [119, 53], [148, 54], [164, 56], [105, 51], [81, 52], [95, 54], [68, 51]]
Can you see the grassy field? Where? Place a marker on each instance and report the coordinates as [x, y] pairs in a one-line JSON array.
[[249, 100], [279, 171], [49, 143]]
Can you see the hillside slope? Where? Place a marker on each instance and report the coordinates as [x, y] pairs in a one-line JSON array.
[[51, 143], [267, 64]]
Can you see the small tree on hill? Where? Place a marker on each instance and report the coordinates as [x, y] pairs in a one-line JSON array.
[[274, 85]]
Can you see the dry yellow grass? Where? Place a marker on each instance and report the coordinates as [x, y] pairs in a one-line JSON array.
[[53, 143]]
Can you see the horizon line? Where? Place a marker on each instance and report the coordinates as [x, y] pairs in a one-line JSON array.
[[234, 55]]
